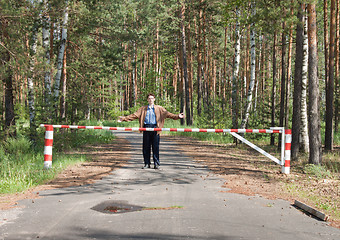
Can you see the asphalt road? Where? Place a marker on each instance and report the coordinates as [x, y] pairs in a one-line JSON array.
[[182, 200]]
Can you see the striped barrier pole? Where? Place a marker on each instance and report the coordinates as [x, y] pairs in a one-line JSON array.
[[48, 146], [288, 144], [285, 160], [168, 129]]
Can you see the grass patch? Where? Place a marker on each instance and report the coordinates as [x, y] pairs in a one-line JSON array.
[[318, 171], [312, 194], [317, 185], [21, 162]]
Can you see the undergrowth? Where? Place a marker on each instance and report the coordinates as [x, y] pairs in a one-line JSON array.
[[21, 161]]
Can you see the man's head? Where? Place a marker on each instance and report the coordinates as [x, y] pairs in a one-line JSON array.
[[151, 98]]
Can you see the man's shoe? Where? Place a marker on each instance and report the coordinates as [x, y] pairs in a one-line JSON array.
[[156, 167], [146, 166]]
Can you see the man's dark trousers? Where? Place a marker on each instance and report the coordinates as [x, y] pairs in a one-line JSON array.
[[151, 139]]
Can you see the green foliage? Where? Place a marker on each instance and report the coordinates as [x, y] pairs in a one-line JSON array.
[[16, 147], [317, 171], [21, 164]]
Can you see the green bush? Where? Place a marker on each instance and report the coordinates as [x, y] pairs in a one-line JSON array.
[[21, 163], [317, 171]]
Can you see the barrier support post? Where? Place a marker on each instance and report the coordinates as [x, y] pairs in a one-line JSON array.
[[288, 142], [48, 146]]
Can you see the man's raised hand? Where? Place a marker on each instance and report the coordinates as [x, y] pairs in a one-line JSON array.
[[120, 119]]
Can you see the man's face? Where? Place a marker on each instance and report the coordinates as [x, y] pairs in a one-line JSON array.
[[151, 100]]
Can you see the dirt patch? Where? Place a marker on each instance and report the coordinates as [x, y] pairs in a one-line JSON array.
[[245, 171], [248, 172], [104, 159]]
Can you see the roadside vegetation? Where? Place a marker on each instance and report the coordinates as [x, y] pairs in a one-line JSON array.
[[21, 161]]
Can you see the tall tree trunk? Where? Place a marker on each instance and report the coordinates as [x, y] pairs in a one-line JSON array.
[[252, 70], [337, 66], [190, 69], [258, 74], [9, 98], [60, 61], [181, 87], [296, 118], [175, 77], [289, 71], [315, 154], [304, 142], [8, 82], [133, 75], [204, 70], [46, 47], [185, 66], [30, 84], [199, 60], [63, 92], [325, 36], [236, 71], [330, 84], [272, 137], [224, 76], [157, 58], [283, 82]]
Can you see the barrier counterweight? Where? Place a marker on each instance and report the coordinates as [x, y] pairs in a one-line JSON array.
[[285, 156]]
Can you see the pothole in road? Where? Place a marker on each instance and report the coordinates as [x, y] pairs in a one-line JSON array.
[[116, 207], [113, 207]]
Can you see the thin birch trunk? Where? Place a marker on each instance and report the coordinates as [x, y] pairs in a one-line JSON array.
[[236, 71], [252, 70], [46, 47], [296, 118], [304, 141], [60, 60], [30, 84]]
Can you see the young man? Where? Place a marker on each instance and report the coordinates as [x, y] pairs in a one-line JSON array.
[[151, 116]]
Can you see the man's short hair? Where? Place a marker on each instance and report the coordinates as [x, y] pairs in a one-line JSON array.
[[151, 94]]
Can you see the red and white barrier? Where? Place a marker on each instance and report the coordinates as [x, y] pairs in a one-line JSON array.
[[286, 139], [48, 146], [288, 143], [168, 129]]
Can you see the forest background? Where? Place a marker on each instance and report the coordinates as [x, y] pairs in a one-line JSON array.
[[225, 64]]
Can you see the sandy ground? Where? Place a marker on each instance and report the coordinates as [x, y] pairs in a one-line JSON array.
[[244, 170]]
